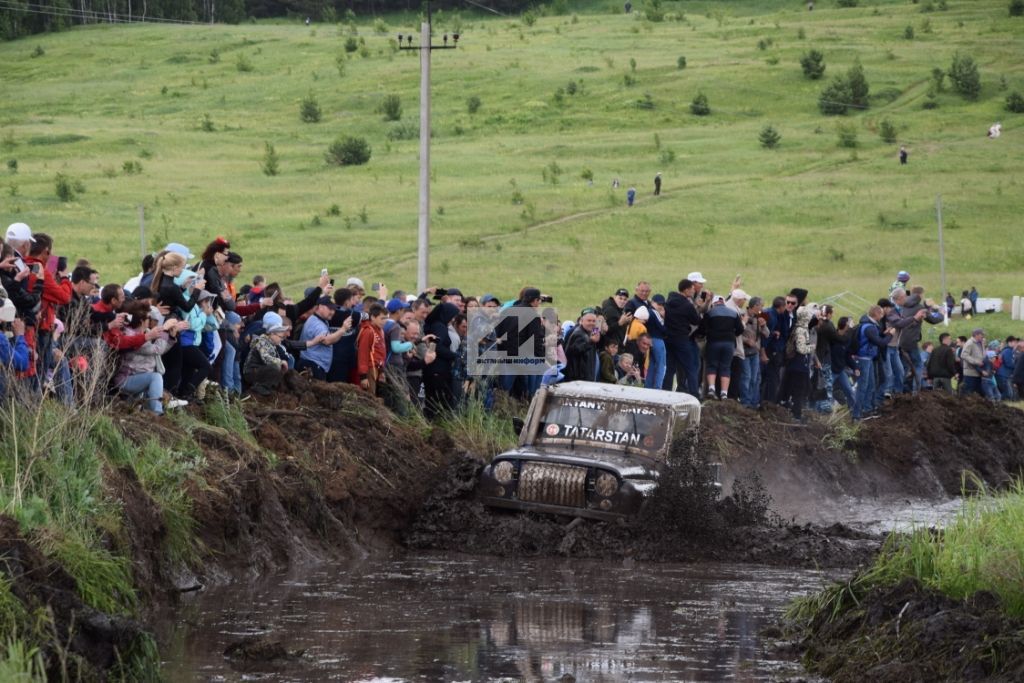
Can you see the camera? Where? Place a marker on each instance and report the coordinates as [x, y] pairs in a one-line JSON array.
[[547, 299], [440, 293]]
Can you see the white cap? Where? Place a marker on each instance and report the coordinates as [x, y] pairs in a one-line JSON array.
[[409, 298], [738, 294], [642, 314], [719, 299], [355, 281], [19, 232], [695, 276], [7, 311], [179, 248]]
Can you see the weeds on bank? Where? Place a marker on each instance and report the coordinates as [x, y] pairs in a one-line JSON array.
[[979, 550], [21, 662], [483, 431], [842, 433]]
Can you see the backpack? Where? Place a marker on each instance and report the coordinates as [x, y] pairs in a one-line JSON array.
[[857, 340]]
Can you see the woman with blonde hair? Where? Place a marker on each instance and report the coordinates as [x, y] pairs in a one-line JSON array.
[[180, 290]]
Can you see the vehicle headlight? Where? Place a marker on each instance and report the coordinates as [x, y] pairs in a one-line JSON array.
[[606, 484], [503, 471]]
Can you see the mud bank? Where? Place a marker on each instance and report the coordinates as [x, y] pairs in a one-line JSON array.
[[909, 633]]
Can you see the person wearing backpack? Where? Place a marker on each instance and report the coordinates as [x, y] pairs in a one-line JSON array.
[[870, 341]]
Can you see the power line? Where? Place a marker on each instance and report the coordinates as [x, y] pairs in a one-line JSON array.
[[87, 15], [489, 9]]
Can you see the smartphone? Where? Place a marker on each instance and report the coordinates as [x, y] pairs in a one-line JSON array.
[[376, 286], [323, 272], [51, 264]]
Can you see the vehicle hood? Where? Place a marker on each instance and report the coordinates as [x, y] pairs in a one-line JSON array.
[[626, 466]]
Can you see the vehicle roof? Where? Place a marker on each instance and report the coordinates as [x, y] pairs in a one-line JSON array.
[[619, 392]]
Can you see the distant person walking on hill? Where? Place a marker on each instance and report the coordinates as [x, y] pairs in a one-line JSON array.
[[995, 130], [810, 5], [903, 155], [630, 196], [657, 184], [966, 305], [628, 7], [973, 295]]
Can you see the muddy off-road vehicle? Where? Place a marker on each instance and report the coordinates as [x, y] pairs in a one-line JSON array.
[[589, 450]]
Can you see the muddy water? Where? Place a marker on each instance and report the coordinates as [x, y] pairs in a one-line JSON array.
[[439, 618]]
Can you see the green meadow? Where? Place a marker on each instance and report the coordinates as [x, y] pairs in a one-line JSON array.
[[176, 118]]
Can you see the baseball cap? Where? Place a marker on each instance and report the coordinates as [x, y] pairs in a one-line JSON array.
[[488, 298], [270, 319], [719, 299], [621, 291], [739, 294], [903, 276], [695, 276], [179, 248], [19, 232], [325, 301], [658, 299], [155, 314], [642, 314], [396, 305], [204, 295], [354, 281]]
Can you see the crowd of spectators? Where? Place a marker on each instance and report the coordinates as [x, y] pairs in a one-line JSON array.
[[187, 323]]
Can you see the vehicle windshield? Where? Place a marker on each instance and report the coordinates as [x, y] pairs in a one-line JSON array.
[[606, 424]]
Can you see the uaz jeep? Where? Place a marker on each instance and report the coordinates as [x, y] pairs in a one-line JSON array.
[[589, 450]]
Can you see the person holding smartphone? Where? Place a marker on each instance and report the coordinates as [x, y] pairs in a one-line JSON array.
[[56, 292]]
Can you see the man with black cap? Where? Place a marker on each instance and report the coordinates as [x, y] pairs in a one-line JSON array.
[[317, 359], [613, 310]]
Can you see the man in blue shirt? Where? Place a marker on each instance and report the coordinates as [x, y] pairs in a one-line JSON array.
[[317, 359]]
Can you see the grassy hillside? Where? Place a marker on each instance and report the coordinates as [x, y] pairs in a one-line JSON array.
[[808, 213]]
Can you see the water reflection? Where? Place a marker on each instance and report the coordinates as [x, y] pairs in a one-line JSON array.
[[434, 618]]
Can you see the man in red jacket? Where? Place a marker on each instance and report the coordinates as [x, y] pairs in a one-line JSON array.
[[371, 351], [56, 293]]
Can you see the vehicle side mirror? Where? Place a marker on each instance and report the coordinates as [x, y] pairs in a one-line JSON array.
[[518, 424]]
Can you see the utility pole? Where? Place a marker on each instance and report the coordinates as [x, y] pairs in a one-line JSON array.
[[942, 256], [425, 47]]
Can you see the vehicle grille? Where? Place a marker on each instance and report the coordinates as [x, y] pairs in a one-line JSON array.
[[553, 484]]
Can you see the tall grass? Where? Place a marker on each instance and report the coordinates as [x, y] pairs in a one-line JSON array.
[[981, 549], [483, 431], [21, 663]]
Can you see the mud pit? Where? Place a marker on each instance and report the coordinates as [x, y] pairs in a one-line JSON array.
[[913, 457], [344, 480]]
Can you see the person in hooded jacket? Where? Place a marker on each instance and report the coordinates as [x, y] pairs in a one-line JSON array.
[[799, 357], [917, 310], [437, 377]]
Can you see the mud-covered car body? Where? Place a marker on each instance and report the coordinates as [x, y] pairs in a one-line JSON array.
[[588, 449]]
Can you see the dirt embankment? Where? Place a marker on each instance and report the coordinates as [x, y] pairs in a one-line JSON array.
[[907, 633], [325, 472], [321, 472], [920, 447]]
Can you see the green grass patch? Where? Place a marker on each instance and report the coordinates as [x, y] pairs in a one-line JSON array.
[[770, 217], [980, 550], [481, 431]]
